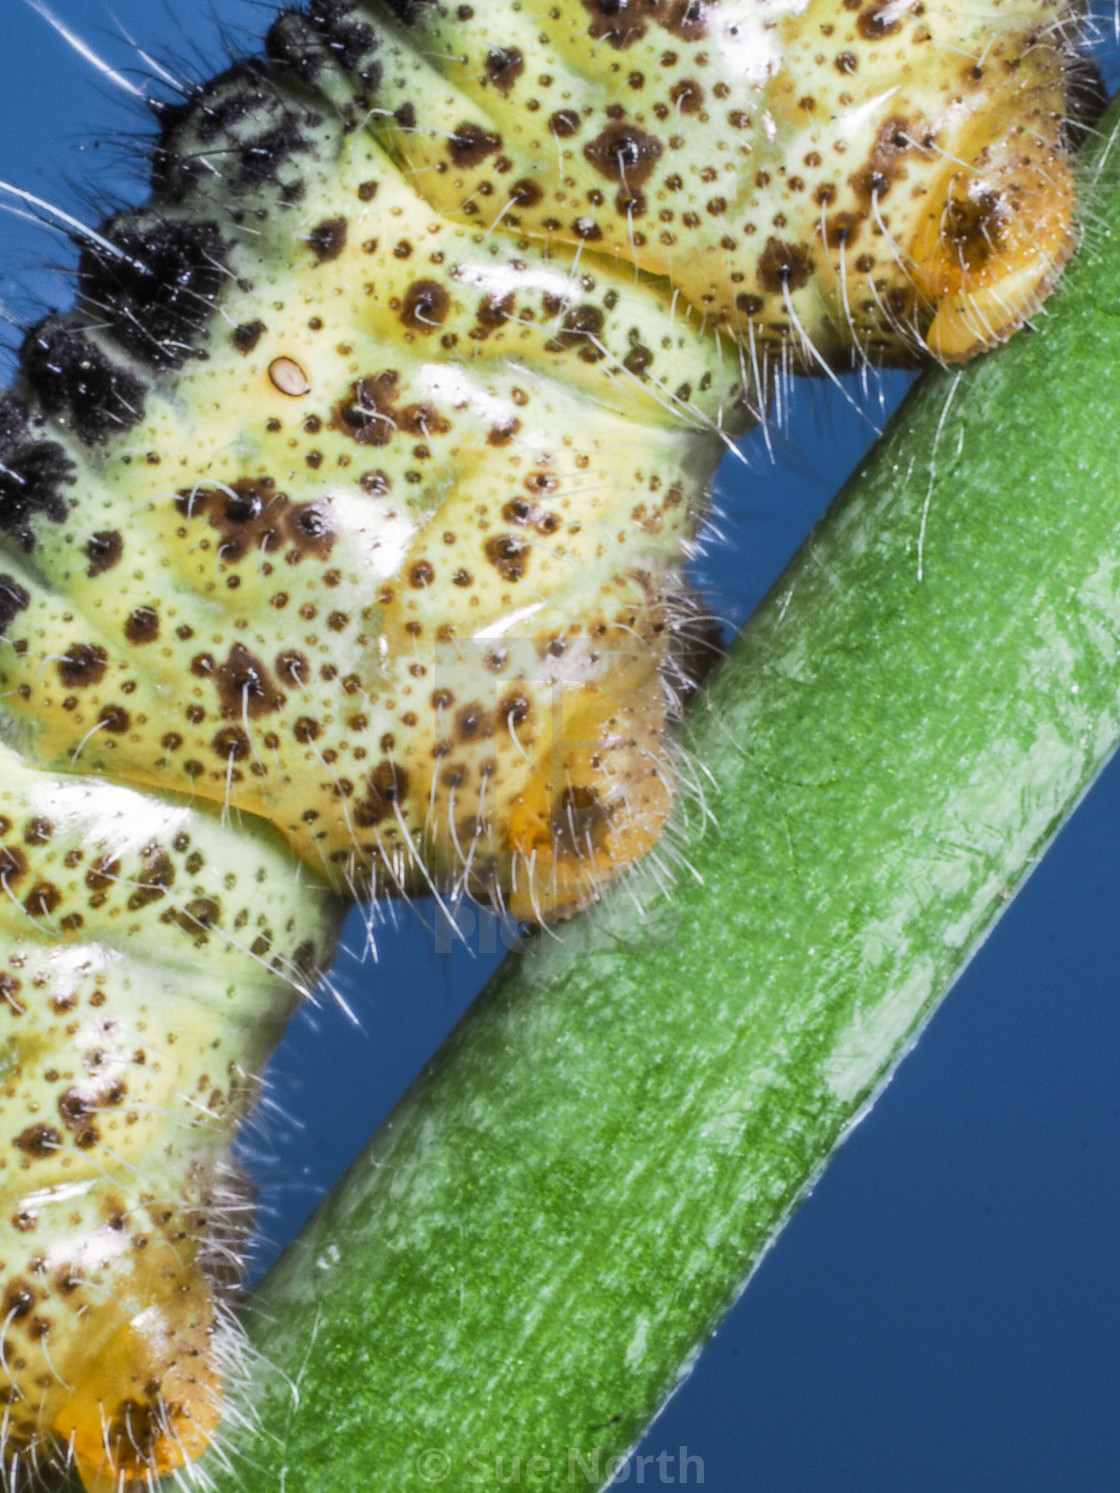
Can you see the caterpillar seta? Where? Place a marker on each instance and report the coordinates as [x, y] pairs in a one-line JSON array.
[[342, 526]]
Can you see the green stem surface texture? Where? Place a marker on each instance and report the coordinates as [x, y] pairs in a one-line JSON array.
[[536, 1246]]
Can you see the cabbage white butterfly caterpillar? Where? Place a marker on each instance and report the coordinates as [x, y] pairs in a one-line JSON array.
[[350, 504]]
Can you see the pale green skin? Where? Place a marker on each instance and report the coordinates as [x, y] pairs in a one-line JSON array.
[[515, 702], [151, 959]]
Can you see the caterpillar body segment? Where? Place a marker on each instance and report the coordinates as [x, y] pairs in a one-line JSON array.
[[352, 409], [354, 569], [342, 524], [150, 958], [814, 177]]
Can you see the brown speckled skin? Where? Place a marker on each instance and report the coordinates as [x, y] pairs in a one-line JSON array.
[[342, 522], [150, 960], [776, 161]]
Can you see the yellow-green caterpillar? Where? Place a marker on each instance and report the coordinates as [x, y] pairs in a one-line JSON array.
[[342, 527]]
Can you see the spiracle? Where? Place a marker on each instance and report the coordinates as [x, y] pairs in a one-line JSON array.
[[342, 525]]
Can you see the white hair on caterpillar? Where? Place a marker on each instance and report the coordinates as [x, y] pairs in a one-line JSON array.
[[643, 380]]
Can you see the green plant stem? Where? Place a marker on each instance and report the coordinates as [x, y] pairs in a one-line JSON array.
[[535, 1247]]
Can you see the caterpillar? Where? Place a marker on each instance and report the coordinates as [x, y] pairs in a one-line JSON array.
[[342, 527]]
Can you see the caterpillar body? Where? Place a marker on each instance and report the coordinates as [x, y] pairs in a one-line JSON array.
[[342, 525]]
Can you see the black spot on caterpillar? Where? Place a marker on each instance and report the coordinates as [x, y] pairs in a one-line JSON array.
[[492, 719]]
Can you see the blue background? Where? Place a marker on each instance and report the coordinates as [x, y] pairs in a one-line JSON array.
[[943, 1315]]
